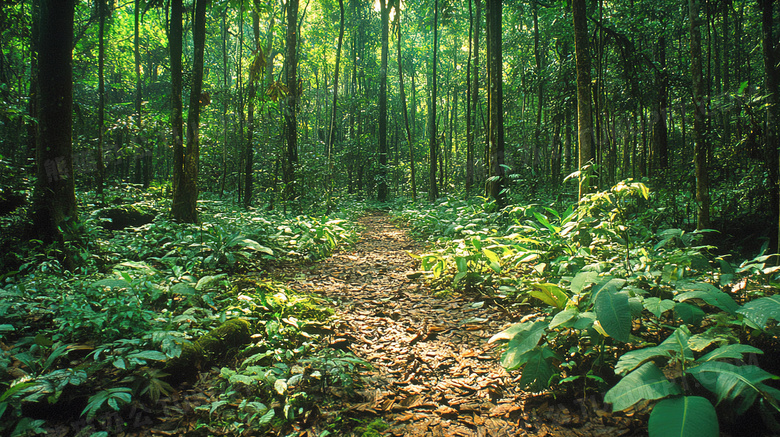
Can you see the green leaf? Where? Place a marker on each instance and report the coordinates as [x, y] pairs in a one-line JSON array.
[[657, 307], [614, 314], [523, 342], [708, 293], [676, 342], [183, 289], [730, 351], [254, 245], [728, 381], [583, 279], [462, 264], [645, 383], [563, 317], [759, 311], [149, 355], [267, 417], [550, 294], [684, 416], [539, 369], [543, 220], [111, 283], [690, 314]]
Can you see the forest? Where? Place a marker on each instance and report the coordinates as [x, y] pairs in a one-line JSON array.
[[418, 217]]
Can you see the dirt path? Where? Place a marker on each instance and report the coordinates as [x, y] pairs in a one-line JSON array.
[[433, 372]]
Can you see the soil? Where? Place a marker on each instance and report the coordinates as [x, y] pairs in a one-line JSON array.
[[433, 373]]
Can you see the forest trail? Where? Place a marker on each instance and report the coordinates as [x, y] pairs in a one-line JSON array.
[[433, 373]]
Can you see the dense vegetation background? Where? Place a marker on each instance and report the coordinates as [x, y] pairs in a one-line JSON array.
[[616, 139]]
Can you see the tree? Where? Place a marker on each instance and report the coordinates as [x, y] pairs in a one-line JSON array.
[[256, 72], [700, 105], [178, 209], [54, 199], [405, 110], [100, 171], [385, 6], [332, 129], [584, 117], [433, 189], [772, 85], [291, 111], [496, 182]]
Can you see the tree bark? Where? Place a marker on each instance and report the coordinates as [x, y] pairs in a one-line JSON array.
[[177, 117], [291, 111], [332, 129], [385, 6], [433, 189], [409, 143], [497, 181], [255, 72], [700, 105], [100, 172], [772, 85], [54, 199], [584, 116]]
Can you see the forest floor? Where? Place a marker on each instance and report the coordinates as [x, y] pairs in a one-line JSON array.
[[433, 373]]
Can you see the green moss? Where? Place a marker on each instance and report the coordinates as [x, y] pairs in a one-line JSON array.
[[208, 349]]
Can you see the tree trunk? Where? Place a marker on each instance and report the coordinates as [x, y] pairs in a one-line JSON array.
[[539, 93], [584, 117], [772, 84], [385, 6], [332, 129], [659, 156], [433, 189], [177, 118], [187, 211], [100, 172], [291, 111], [497, 181], [54, 200], [405, 110], [700, 149], [255, 72]]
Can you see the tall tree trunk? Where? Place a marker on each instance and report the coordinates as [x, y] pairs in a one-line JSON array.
[[495, 61], [225, 102], [700, 105], [584, 116], [772, 84], [659, 156], [470, 96], [100, 172], [332, 129], [405, 110], [539, 93], [433, 189], [385, 6], [291, 111], [54, 199], [255, 74], [187, 211], [177, 117]]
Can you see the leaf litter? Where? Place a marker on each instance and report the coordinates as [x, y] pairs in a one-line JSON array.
[[433, 372]]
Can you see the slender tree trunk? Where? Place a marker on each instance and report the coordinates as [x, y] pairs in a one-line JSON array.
[[470, 96], [255, 73], [225, 102], [385, 6], [100, 172], [54, 198], [584, 116], [497, 181], [145, 158], [772, 85], [433, 190], [405, 110], [334, 112], [291, 111], [177, 117], [539, 93], [699, 121], [186, 211]]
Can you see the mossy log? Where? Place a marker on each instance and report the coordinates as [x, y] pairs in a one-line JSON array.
[[123, 217], [208, 350]]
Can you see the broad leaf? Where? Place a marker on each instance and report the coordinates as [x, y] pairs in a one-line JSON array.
[[685, 416], [550, 294], [111, 283], [539, 369], [614, 314], [759, 311], [583, 279], [676, 342], [728, 381], [730, 351], [708, 293], [644, 383], [563, 317], [690, 314], [656, 306], [523, 342]]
